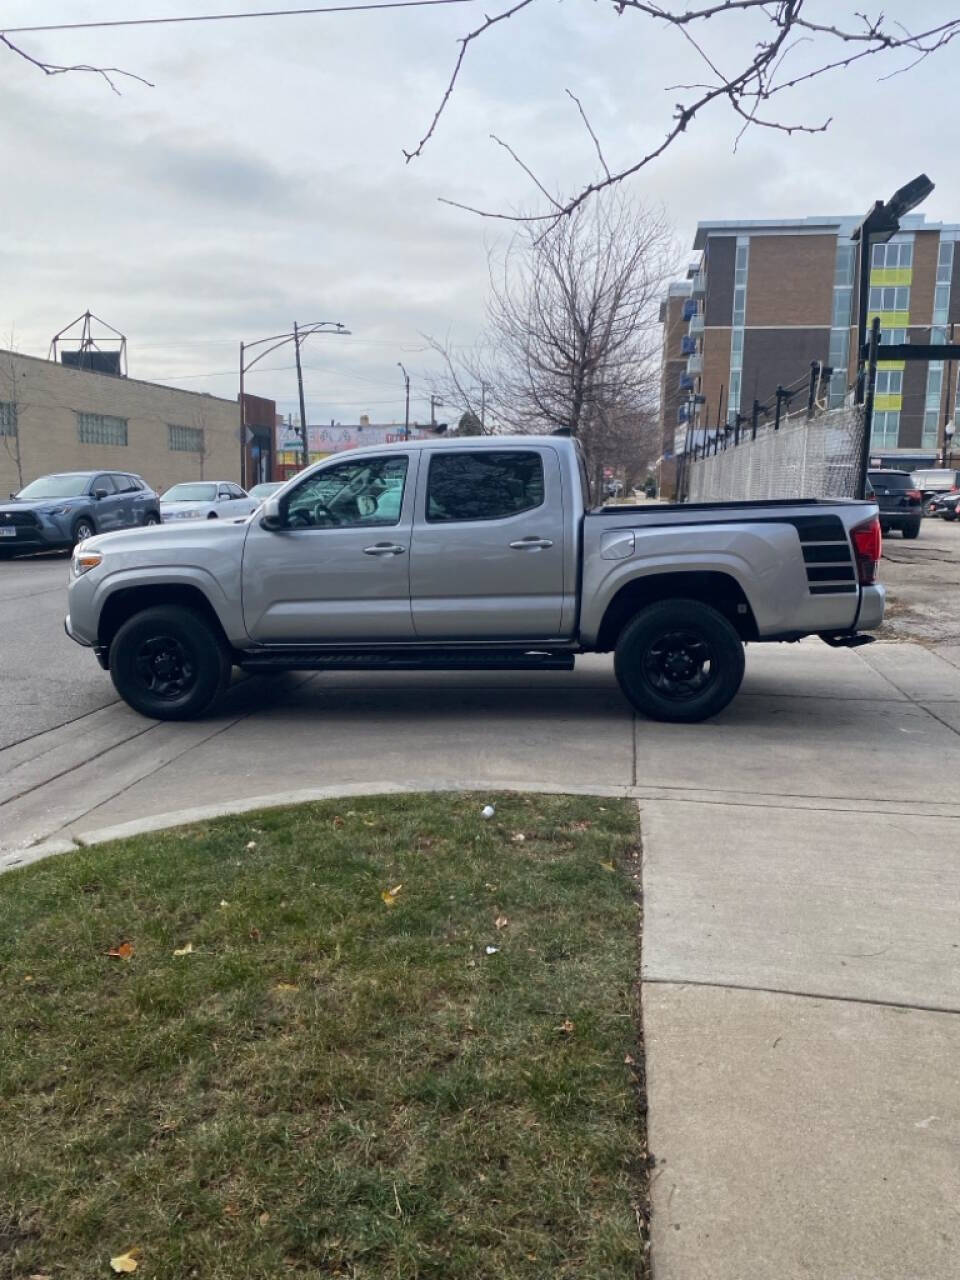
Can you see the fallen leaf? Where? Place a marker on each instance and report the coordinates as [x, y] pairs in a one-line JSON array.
[[501, 922], [286, 986], [488, 885], [628, 1059], [491, 951], [123, 952], [232, 1210], [28, 977], [368, 823], [389, 896], [581, 826], [566, 1026], [518, 838], [252, 844], [264, 1219], [126, 1262], [255, 934], [224, 902], [608, 866], [38, 1275], [338, 821], [185, 950]]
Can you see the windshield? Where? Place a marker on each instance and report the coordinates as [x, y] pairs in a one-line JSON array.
[[70, 486], [191, 493]]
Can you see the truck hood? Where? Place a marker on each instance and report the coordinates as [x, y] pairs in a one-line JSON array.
[[160, 542]]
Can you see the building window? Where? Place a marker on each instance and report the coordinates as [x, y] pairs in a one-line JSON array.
[[941, 303], [185, 439], [886, 429], [8, 419], [945, 262], [736, 349], [931, 429], [890, 297], [100, 428], [738, 320], [889, 382], [892, 255], [893, 337], [846, 259]]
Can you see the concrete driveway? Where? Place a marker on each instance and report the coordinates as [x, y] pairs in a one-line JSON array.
[[802, 897]]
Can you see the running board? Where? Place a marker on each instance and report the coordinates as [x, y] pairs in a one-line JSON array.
[[408, 660]]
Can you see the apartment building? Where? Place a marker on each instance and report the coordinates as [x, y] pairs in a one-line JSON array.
[[57, 418], [768, 298]]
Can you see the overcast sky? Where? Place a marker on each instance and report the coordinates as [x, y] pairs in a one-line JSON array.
[[262, 179]]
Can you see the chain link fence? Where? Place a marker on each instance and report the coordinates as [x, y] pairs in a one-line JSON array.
[[804, 458]]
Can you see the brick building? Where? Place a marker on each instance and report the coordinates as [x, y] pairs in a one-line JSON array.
[[768, 298], [56, 418]]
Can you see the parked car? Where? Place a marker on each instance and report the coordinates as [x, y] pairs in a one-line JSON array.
[[477, 553], [206, 500], [64, 509], [261, 491], [900, 503], [933, 483], [946, 505]]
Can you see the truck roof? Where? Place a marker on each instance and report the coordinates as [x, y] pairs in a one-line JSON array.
[[465, 442]]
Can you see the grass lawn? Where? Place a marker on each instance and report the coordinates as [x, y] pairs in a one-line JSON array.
[[329, 1082]]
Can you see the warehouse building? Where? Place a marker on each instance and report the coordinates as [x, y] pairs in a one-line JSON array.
[[59, 418]]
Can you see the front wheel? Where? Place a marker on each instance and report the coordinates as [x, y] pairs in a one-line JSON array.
[[928, 507], [152, 517], [168, 663], [679, 660], [83, 529]]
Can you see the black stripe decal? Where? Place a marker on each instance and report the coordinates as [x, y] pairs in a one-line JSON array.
[[826, 555], [831, 591]]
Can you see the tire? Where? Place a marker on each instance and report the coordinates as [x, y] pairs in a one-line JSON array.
[[84, 528], [949, 515], [911, 530], [168, 663], [152, 518], [703, 649], [928, 506], [212, 516]]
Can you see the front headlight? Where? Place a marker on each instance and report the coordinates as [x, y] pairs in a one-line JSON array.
[[84, 561], [60, 511]]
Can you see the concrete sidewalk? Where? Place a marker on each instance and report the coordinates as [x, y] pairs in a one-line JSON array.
[[802, 917]]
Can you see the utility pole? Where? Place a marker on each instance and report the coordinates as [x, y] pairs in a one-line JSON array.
[[303, 410], [483, 407], [406, 412], [434, 401]]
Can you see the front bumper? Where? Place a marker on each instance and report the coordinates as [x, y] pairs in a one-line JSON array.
[[73, 635], [43, 537]]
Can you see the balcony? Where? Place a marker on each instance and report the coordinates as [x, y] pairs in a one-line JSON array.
[[699, 285], [688, 345], [696, 323], [695, 365], [686, 382], [689, 308]]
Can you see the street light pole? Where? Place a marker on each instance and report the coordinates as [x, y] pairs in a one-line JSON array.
[[406, 412], [303, 409]]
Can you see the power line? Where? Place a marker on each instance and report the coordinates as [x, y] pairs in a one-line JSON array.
[[230, 17]]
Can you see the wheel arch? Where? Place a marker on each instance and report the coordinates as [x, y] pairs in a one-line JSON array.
[[125, 602], [719, 590]]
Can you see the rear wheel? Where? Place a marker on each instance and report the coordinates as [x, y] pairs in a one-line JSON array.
[[679, 660], [928, 506], [168, 663], [911, 530]]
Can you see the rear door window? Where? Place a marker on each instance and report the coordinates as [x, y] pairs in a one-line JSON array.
[[490, 484]]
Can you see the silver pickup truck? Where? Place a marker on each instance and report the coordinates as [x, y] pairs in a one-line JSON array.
[[472, 554]]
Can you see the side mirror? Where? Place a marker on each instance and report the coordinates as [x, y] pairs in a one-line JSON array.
[[99, 493], [271, 515]]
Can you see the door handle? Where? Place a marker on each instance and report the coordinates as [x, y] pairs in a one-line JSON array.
[[384, 549], [531, 544]]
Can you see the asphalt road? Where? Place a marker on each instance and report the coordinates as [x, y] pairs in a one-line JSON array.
[[45, 679]]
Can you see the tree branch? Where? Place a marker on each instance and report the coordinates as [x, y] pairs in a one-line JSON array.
[[54, 69]]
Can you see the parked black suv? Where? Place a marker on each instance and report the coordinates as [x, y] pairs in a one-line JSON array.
[[901, 505], [62, 510]]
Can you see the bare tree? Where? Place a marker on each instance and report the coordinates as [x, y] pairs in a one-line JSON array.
[[11, 411], [782, 44], [573, 320]]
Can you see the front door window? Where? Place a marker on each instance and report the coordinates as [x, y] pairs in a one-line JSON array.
[[364, 492]]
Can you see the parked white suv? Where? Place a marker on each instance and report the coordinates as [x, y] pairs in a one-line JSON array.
[[205, 500]]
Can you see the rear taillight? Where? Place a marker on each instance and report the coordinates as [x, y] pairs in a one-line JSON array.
[[915, 495], [867, 548]]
